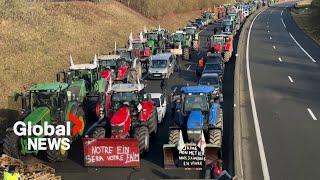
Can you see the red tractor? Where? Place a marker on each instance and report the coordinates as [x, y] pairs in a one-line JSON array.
[[114, 66], [130, 115], [140, 48], [221, 44]]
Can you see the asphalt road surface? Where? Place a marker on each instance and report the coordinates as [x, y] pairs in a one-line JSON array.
[[152, 163], [285, 76]]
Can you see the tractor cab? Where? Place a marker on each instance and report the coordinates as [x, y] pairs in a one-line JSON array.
[[139, 47], [228, 25], [113, 66]]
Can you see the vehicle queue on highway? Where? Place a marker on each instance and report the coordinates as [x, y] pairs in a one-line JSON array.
[[107, 97]]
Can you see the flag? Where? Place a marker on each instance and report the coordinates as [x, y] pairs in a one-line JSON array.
[[202, 142], [181, 144]]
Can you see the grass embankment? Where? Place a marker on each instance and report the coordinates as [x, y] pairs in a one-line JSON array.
[[37, 38], [308, 19]]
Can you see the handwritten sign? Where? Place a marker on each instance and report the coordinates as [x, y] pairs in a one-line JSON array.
[[191, 157], [111, 152]]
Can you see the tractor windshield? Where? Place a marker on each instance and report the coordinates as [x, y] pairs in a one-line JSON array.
[[124, 97], [227, 23], [152, 36], [159, 63], [189, 30], [137, 46], [218, 39], [44, 98], [108, 63], [86, 74], [196, 102], [178, 37]]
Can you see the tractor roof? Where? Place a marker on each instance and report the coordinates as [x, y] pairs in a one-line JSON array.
[[197, 89], [54, 86], [163, 56], [179, 32], [109, 57], [83, 66], [137, 41], [127, 87]]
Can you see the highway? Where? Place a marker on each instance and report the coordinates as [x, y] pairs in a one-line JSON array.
[[285, 80], [152, 163]]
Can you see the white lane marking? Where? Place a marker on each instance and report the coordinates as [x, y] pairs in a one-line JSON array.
[[283, 23], [262, 154], [312, 115], [144, 76], [268, 31], [274, 47], [279, 58], [234, 105], [174, 90], [290, 79], [270, 37], [313, 60], [189, 67], [281, 13]]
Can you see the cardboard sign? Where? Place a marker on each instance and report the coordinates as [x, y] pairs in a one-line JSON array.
[[191, 157], [105, 152]]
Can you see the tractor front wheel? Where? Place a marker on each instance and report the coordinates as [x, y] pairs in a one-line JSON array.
[[174, 136], [99, 132], [227, 56], [186, 53], [57, 155], [142, 135], [153, 126], [11, 145], [215, 136]]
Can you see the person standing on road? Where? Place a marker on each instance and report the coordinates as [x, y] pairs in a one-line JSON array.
[[163, 85]]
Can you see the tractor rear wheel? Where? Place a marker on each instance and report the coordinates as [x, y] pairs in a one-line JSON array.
[[99, 132], [227, 56], [186, 53], [215, 136], [153, 126], [174, 136], [142, 135], [11, 145], [59, 155]]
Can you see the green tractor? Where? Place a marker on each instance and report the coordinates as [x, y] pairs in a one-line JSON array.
[[194, 33], [156, 40], [46, 103], [180, 44], [208, 16], [87, 86]]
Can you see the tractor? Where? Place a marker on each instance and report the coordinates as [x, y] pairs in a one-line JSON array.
[[194, 33], [234, 16], [156, 39], [180, 44], [228, 26], [45, 102], [130, 116], [88, 86], [140, 49], [221, 44], [208, 16], [114, 66], [195, 135]]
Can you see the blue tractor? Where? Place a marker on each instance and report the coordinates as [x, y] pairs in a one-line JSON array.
[[198, 121]]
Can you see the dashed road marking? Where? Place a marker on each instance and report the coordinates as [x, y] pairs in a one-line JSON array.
[[290, 79], [311, 114], [280, 59], [268, 31], [313, 60], [274, 47], [283, 23], [281, 13], [264, 164], [174, 90], [270, 37], [189, 67]]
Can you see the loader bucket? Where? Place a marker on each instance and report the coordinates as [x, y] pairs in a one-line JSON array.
[[111, 152], [190, 158]]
